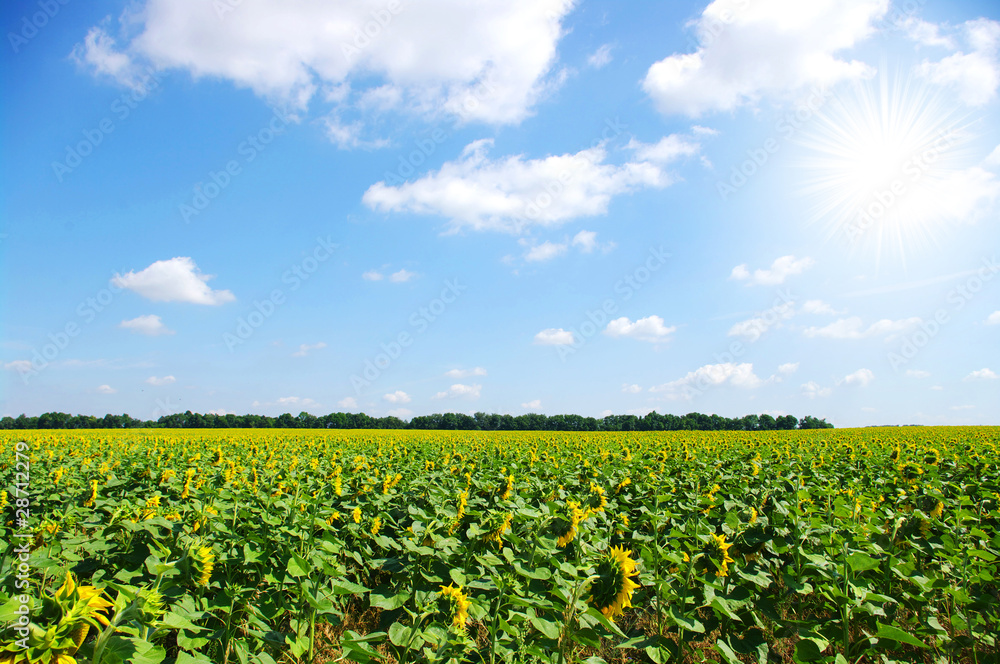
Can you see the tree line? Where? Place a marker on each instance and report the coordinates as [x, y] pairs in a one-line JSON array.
[[447, 421]]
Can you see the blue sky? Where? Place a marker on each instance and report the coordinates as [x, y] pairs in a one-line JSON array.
[[513, 206]]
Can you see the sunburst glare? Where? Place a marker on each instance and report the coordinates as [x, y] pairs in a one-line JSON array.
[[886, 164]]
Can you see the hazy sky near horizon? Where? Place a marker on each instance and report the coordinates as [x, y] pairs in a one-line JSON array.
[[557, 206]]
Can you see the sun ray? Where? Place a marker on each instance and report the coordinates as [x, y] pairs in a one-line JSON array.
[[878, 163]]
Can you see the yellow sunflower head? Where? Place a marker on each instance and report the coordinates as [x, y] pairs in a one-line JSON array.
[[455, 605], [611, 592], [716, 557]]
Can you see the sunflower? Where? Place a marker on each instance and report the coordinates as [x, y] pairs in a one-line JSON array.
[[931, 456], [716, 555], [376, 525], [564, 526], [938, 510], [456, 605], [205, 558], [496, 525], [81, 607], [356, 515], [611, 592]]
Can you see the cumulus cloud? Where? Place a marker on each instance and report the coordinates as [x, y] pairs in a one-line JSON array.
[[853, 328], [514, 193], [460, 391], [861, 378], [973, 75], [488, 61], [554, 336], [401, 413], [994, 318], [465, 373], [544, 251], [587, 241], [287, 402], [754, 328], [402, 276], [747, 50], [812, 390], [372, 275], [780, 269], [305, 349], [631, 389], [601, 57], [819, 307], [150, 326], [982, 374], [535, 404], [399, 396], [106, 389], [650, 328], [162, 380], [348, 402], [711, 375], [20, 366], [174, 280], [788, 368]]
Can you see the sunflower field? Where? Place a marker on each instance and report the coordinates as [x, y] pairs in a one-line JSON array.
[[264, 546]]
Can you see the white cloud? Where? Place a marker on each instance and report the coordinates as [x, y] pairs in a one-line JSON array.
[[861, 378], [372, 275], [631, 389], [399, 396], [667, 149], [100, 53], [459, 390], [916, 373], [285, 402], [709, 376], [993, 159], [937, 388], [348, 402], [650, 328], [994, 318], [532, 405], [924, 33], [150, 325], [401, 276], [812, 390], [221, 412], [788, 368], [401, 413], [465, 373], [174, 280], [853, 328], [305, 349], [975, 75], [766, 47], [601, 57], [544, 251], [488, 61], [781, 269], [513, 193], [20, 366], [106, 389], [964, 407], [586, 240], [158, 381], [819, 307], [982, 374], [754, 328], [554, 336]]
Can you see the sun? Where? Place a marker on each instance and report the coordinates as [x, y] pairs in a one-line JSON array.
[[879, 160]]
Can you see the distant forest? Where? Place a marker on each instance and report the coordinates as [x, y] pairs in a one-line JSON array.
[[447, 421]]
